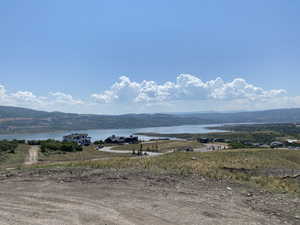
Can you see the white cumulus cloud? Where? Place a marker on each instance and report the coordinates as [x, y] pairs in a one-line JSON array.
[[52, 101], [185, 93], [186, 87], [65, 98]]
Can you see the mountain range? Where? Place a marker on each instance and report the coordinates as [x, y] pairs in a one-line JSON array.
[[22, 120]]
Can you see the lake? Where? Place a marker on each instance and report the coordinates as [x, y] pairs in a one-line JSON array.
[[101, 134]]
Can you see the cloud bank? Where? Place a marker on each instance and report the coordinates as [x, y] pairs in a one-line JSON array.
[[54, 101], [186, 87], [185, 93]]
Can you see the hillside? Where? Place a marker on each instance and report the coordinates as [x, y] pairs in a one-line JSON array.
[[267, 116], [19, 120]]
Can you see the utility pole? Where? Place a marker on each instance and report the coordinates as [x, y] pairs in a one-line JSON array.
[[141, 149]]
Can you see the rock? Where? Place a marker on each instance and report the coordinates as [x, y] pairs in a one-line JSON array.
[[229, 188]]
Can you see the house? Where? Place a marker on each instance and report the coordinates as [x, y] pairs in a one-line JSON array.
[[121, 140], [80, 139], [131, 139]]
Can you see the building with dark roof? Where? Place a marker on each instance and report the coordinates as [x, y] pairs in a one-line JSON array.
[[121, 140], [80, 139]]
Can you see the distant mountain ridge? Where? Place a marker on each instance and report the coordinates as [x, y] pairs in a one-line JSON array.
[[23, 120]]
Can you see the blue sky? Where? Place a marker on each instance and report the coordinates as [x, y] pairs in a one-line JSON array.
[[71, 52]]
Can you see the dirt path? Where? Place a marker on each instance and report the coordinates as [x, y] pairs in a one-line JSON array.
[[33, 154], [97, 197]]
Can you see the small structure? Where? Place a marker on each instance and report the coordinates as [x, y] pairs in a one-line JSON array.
[[204, 140], [121, 140], [185, 149], [80, 139], [292, 141], [276, 144], [256, 145]]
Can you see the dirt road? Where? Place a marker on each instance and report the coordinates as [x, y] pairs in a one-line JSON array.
[[105, 197], [109, 149], [33, 154]]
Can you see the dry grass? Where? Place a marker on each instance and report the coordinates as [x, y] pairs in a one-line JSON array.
[[160, 146], [16, 159], [211, 164], [87, 153]]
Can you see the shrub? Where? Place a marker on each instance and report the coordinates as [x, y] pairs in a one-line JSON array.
[[7, 147], [238, 145], [100, 142], [33, 142], [57, 147]]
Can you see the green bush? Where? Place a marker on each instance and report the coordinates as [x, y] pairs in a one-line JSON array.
[[100, 142], [7, 147], [57, 147], [238, 145], [34, 142]]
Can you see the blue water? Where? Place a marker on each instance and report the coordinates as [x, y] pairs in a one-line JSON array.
[[101, 134]]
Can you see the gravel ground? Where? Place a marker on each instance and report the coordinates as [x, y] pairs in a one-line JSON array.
[[106, 197]]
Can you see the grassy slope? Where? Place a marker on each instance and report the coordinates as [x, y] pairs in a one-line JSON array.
[[211, 164]]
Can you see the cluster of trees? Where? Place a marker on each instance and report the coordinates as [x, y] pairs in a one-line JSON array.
[[278, 129], [239, 145], [8, 146], [34, 142], [58, 147], [99, 142], [51, 146]]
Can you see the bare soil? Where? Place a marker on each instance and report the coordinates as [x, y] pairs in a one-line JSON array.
[[107, 197], [33, 154]]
